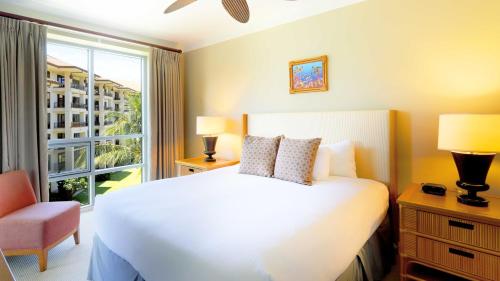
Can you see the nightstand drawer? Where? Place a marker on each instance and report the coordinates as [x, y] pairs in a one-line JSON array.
[[186, 170], [458, 258], [459, 230]]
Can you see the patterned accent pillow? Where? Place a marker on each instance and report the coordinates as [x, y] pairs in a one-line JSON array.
[[295, 160], [258, 155]]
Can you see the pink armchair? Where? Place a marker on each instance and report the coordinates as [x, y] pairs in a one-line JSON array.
[[31, 228]]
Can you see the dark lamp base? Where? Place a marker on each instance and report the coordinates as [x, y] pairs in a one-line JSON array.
[[209, 143], [472, 169], [210, 159], [472, 201]]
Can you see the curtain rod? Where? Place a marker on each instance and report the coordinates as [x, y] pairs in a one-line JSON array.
[[44, 22]]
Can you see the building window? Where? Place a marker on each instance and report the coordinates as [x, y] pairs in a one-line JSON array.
[[60, 79], [76, 135], [61, 161]]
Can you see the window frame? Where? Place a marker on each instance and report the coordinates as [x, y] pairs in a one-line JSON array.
[[91, 139]]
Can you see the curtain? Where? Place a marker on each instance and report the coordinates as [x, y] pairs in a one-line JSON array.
[[167, 113], [23, 108]]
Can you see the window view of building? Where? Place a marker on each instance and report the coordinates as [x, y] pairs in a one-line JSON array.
[[116, 112]]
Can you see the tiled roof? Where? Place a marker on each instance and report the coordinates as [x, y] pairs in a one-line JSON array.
[[62, 64]]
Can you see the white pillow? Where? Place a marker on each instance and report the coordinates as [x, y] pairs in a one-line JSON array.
[[321, 168], [342, 162]]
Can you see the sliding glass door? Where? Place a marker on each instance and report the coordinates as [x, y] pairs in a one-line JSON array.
[[96, 126]]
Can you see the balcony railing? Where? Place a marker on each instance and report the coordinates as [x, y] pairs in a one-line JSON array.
[[108, 94], [79, 87], [59, 104], [106, 123], [78, 124], [59, 125], [108, 108], [78, 105]]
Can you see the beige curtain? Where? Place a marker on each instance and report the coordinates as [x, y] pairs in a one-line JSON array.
[[23, 108], [167, 113]]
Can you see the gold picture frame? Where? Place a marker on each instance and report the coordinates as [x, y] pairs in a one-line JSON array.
[[308, 75]]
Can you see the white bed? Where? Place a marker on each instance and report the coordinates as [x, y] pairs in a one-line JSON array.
[[222, 225]]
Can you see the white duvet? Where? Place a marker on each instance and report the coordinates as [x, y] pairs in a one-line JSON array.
[[221, 225]]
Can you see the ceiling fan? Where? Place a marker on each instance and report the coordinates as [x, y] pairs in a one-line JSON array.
[[238, 9]]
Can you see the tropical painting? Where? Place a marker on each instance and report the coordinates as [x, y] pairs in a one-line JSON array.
[[308, 75]]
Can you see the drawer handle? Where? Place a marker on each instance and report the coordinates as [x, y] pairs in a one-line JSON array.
[[461, 224], [461, 253], [191, 170]]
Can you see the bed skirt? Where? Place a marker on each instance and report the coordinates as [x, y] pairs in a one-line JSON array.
[[371, 263]]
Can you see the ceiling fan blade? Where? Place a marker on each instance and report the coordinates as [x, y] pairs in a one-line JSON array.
[[238, 9], [177, 5]]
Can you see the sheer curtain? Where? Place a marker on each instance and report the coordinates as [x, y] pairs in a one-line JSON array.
[[167, 113], [23, 109]]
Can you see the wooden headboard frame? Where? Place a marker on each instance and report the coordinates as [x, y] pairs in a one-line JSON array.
[[372, 131]]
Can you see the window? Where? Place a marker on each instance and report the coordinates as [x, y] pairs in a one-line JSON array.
[[106, 153], [60, 79]]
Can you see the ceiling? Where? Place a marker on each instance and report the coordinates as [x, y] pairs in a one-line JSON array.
[[200, 24]]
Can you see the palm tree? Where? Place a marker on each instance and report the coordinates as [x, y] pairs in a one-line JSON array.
[[129, 122], [127, 151]]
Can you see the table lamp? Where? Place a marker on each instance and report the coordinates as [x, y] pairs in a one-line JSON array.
[[473, 140], [209, 127]]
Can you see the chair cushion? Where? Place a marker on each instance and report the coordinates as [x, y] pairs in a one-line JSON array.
[[39, 225], [16, 192]]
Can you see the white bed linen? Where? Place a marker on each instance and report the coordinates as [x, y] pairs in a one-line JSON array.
[[221, 225]]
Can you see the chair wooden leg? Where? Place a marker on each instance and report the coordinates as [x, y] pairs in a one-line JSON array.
[[42, 259], [76, 236]]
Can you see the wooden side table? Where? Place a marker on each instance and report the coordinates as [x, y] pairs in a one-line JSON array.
[[441, 239], [197, 165], [5, 273]]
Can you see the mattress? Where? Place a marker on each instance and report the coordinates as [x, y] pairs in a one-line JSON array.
[[222, 225]]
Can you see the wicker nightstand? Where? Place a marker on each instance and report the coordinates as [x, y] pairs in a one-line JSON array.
[[446, 240], [197, 165], [5, 273]]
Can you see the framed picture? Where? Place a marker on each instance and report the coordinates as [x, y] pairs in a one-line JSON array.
[[309, 75]]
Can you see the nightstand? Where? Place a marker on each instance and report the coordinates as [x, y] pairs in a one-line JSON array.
[[441, 239], [197, 165], [5, 273]]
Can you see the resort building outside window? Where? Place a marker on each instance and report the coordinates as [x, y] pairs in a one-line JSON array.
[[81, 164]]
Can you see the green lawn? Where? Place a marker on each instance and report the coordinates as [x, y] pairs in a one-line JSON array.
[[118, 180]]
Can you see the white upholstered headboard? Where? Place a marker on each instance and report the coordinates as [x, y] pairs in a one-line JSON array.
[[372, 131]]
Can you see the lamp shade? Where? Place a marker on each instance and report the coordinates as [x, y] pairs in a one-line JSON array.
[[209, 125], [478, 133]]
